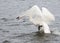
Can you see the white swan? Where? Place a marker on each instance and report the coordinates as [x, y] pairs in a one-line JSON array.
[[42, 18]]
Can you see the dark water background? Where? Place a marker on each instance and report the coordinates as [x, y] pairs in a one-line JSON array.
[[22, 31]]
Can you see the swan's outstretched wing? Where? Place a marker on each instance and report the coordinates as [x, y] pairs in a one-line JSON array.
[[47, 15], [34, 14], [35, 10]]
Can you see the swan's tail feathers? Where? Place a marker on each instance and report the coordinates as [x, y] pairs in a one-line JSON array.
[[46, 28], [47, 15]]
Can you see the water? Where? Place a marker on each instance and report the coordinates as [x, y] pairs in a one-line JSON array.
[[22, 31]]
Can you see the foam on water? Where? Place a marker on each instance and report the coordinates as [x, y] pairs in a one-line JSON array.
[[55, 31]]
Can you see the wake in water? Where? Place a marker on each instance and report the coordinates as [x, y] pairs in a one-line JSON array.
[[55, 31]]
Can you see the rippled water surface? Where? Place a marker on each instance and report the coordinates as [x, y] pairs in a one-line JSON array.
[[23, 31]]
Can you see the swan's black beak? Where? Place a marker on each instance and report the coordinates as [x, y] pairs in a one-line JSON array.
[[18, 18]]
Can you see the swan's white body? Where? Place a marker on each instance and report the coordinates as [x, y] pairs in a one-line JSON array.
[[37, 16]]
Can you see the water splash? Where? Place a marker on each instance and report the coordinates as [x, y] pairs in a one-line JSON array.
[[56, 31]]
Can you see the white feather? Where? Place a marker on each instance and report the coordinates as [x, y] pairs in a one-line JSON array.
[[39, 17], [46, 28], [35, 15], [48, 17]]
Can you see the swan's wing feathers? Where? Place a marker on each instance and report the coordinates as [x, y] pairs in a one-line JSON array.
[[47, 15], [34, 14], [35, 10]]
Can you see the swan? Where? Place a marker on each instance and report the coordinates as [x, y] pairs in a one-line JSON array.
[[41, 18]]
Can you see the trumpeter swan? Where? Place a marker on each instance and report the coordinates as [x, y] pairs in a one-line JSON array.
[[42, 18]]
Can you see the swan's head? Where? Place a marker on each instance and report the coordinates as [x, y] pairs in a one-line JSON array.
[[19, 17]]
